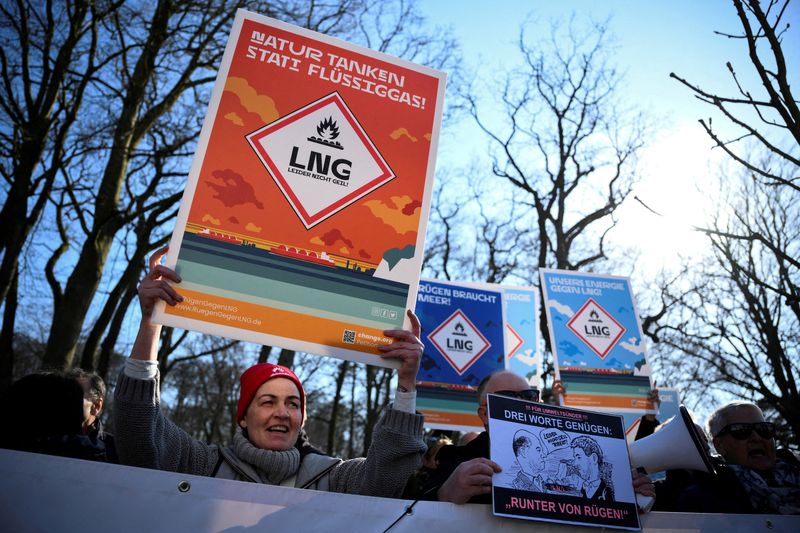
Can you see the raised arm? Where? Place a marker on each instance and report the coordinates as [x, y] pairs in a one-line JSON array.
[[397, 445], [408, 349], [144, 436], [154, 287]]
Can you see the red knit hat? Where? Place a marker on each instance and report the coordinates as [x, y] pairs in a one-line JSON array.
[[257, 375]]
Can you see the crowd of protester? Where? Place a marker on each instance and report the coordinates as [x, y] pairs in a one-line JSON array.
[[59, 413]]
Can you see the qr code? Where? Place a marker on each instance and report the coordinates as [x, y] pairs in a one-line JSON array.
[[349, 337]]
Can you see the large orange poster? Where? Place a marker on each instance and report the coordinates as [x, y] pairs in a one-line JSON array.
[[303, 220]]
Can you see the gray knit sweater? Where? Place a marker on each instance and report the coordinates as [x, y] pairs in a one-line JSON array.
[[146, 438]]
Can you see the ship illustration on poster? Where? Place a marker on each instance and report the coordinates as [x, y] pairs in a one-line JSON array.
[[211, 240]]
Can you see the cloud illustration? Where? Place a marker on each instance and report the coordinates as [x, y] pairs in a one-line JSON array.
[[395, 255], [252, 227], [561, 308], [261, 104], [395, 214], [330, 238], [236, 119], [411, 207], [569, 348], [210, 219], [402, 132], [526, 358], [633, 346]]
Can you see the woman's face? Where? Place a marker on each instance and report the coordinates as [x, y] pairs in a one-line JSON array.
[[275, 416]]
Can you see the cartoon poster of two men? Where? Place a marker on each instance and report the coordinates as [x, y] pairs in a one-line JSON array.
[[560, 465], [578, 469]]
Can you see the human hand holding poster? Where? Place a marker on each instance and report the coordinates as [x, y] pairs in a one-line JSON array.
[[303, 219], [597, 341], [470, 331], [560, 465]]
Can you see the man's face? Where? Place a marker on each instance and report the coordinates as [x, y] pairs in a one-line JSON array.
[[535, 459], [581, 462], [754, 451], [499, 382], [275, 416]]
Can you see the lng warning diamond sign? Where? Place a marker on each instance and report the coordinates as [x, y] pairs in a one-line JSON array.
[[459, 341], [321, 158], [596, 327]]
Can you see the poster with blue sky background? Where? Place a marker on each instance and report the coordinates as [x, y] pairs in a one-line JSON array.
[[469, 331], [522, 333], [596, 337]]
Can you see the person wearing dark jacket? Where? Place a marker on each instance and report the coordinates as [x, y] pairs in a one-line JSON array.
[[94, 397], [473, 476], [752, 476], [44, 414]]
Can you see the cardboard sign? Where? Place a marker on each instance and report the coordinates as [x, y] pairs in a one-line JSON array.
[[560, 465], [303, 219], [471, 330], [597, 341]]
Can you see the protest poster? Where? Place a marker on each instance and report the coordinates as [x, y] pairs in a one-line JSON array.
[[597, 341], [471, 330], [560, 465], [523, 357], [304, 215]]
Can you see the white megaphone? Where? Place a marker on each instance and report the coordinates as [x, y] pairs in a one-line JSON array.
[[676, 445]]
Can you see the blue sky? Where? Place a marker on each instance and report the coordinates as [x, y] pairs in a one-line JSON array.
[[653, 38]]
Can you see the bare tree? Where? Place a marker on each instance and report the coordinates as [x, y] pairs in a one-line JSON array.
[[565, 152], [114, 190], [333, 420], [767, 115], [184, 34], [475, 239], [735, 326], [440, 245], [48, 56], [565, 143], [207, 394]]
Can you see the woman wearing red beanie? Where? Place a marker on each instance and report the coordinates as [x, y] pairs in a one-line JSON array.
[[270, 446]]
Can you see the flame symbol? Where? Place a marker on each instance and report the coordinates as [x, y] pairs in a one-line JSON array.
[[593, 314], [327, 129], [459, 327]]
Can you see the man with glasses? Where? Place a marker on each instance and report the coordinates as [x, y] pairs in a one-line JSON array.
[[752, 478], [465, 472]]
